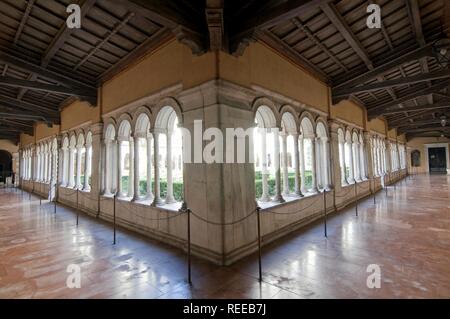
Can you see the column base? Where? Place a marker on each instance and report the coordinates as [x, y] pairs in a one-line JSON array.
[[264, 198], [299, 194], [170, 200], [157, 201], [278, 199], [314, 190]]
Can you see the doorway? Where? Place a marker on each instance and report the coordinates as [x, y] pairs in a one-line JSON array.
[[437, 160]]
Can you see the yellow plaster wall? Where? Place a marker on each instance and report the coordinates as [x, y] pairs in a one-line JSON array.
[[262, 66], [42, 131], [77, 113], [392, 134], [377, 125], [26, 139], [8, 146], [171, 64], [348, 111], [419, 144]]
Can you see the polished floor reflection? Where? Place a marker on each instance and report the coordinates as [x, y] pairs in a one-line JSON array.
[[406, 233]]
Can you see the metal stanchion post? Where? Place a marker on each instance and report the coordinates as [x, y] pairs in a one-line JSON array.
[[114, 219], [356, 198], [385, 184], [374, 191], [189, 245], [325, 212], [258, 217], [77, 208]]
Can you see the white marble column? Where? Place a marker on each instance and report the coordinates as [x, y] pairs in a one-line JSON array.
[[362, 168], [357, 169], [314, 165], [136, 169], [326, 163], [131, 174], [351, 178], [264, 171], [149, 168], [298, 178], [87, 168], [71, 168], [157, 192], [169, 195], [343, 166], [78, 182], [285, 164], [302, 166], [107, 170], [120, 169], [277, 198]]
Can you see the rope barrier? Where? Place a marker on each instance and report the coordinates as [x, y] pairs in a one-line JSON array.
[[346, 193], [224, 224], [296, 212]]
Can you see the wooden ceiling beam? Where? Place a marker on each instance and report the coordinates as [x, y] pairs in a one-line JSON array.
[[19, 83], [388, 107], [23, 21], [64, 34], [386, 67], [438, 105], [32, 107], [343, 92]]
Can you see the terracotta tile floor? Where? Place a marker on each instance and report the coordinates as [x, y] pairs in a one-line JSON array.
[[406, 233]]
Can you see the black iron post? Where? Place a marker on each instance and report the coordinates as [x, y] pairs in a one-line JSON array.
[[325, 212], [258, 218]]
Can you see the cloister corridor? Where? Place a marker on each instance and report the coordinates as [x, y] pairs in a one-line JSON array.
[[406, 232]]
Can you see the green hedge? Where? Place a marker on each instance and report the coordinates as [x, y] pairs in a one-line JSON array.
[[271, 183], [177, 188]]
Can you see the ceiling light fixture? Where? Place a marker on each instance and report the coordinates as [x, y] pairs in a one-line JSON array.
[[441, 51]]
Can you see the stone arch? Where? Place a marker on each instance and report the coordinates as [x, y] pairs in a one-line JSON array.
[[265, 102], [307, 126], [289, 122], [142, 125], [165, 118], [321, 130], [163, 104]]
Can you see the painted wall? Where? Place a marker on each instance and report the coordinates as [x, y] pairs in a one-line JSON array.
[[349, 112], [419, 144], [264, 67], [43, 131], [26, 139], [8, 146], [171, 64], [377, 125], [78, 113], [392, 134]]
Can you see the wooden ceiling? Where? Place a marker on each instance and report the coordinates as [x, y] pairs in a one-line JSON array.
[[391, 71]]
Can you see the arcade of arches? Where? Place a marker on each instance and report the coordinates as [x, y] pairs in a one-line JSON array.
[[129, 153]]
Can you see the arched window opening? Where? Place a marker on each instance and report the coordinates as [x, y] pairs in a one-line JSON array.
[[87, 182], [125, 148], [168, 142], [290, 161], [110, 184], [322, 158], [308, 155], [265, 137], [80, 162], [144, 142], [341, 142], [72, 161], [349, 168], [362, 158], [65, 162], [355, 155]]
